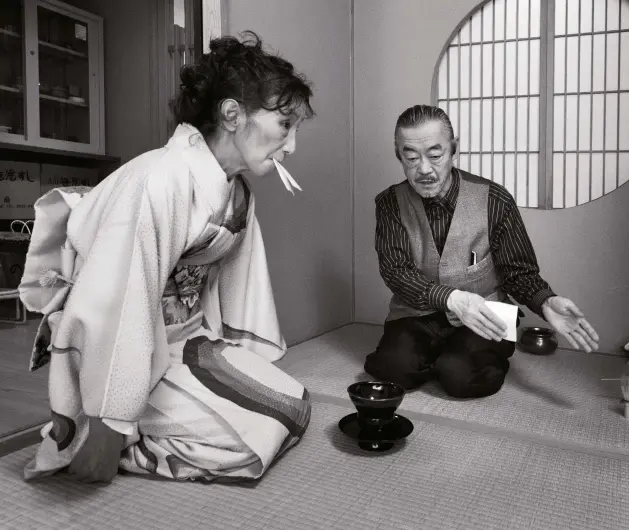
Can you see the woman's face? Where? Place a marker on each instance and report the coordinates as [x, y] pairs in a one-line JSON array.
[[264, 136]]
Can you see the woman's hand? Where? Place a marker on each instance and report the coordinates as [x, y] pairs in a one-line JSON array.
[[98, 459], [568, 320]]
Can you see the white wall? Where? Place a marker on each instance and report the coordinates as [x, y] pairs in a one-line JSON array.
[[583, 251], [308, 237]]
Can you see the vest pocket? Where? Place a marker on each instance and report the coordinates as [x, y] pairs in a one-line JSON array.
[[481, 268], [480, 278]]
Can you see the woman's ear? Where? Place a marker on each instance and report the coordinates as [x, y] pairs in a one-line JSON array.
[[231, 114]]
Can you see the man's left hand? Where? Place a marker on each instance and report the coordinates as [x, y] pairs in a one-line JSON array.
[[568, 320]]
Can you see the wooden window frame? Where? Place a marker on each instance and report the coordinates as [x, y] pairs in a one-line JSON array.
[[546, 102]]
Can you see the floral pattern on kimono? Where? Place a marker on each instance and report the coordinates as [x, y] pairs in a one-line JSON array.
[[181, 298]]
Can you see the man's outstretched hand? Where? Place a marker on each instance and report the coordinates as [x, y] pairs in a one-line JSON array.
[[98, 459], [568, 320]]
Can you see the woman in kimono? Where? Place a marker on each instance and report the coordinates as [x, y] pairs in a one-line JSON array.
[[159, 320]]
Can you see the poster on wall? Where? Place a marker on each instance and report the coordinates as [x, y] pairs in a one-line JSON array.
[[19, 189], [53, 176]]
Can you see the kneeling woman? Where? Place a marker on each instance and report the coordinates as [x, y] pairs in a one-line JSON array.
[[159, 319]]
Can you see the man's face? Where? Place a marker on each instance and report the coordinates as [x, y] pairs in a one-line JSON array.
[[427, 154]]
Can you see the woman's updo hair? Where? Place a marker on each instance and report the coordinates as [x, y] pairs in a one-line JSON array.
[[243, 71]]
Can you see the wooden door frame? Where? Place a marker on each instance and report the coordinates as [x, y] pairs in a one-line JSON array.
[[211, 24]]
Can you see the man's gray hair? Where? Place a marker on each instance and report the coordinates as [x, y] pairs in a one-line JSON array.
[[418, 115]]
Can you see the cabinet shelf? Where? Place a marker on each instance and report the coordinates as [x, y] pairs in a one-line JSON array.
[[63, 101], [51, 51], [60, 49], [27, 153], [10, 33], [11, 89]]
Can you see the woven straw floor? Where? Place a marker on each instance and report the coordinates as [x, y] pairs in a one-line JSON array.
[[548, 452], [559, 396]]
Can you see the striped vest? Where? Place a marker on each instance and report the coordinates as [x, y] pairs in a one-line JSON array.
[[468, 232]]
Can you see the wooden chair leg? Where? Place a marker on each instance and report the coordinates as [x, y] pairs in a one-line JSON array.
[[20, 313]]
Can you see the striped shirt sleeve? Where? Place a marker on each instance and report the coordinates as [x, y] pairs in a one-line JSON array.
[[513, 253], [396, 263]]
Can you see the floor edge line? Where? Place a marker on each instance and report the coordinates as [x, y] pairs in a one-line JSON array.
[[21, 439], [479, 428]]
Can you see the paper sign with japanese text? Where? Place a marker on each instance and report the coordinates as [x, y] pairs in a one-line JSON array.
[[53, 176], [19, 189]]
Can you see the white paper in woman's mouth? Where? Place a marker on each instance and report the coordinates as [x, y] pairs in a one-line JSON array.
[[289, 182]]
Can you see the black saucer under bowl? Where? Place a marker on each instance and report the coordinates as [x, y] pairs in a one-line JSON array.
[[379, 438]]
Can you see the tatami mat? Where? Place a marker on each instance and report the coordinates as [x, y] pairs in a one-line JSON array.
[[442, 479], [559, 396]]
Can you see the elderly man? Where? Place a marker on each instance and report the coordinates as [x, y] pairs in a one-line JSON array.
[[447, 241]]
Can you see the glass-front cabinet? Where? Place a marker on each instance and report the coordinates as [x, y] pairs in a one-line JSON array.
[[51, 76]]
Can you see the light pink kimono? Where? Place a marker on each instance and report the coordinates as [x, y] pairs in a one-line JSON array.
[[159, 318]]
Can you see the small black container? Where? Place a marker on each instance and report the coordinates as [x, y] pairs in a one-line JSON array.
[[538, 341]]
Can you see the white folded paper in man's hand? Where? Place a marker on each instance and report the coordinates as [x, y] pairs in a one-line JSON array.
[[509, 314], [288, 181]]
